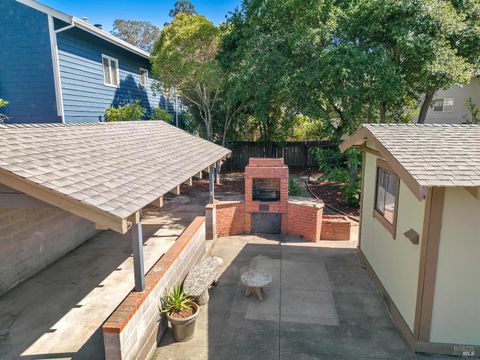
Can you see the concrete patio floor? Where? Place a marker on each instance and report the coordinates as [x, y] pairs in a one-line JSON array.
[[320, 305], [58, 313]]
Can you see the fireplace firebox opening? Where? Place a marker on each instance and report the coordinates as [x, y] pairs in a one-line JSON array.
[[266, 190]]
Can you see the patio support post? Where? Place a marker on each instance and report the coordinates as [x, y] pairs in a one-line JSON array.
[[211, 183], [137, 245], [210, 209]]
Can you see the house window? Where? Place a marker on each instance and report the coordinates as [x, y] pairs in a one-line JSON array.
[[143, 77], [110, 71], [443, 105], [386, 196]]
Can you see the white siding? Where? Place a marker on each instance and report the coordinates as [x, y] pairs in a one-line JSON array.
[[460, 95], [456, 306], [395, 261]]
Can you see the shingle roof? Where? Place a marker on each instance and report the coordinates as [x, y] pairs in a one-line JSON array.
[[434, 154], [117, 168]]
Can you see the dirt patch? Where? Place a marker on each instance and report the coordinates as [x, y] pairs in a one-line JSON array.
[[182, 314], [229, 182], [331, 194]]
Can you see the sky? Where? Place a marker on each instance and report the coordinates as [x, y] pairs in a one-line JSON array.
[[156, 11]]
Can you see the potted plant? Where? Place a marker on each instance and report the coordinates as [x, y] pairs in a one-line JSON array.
[[182, 313]]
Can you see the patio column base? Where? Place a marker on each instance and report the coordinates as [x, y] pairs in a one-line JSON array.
[[211, 221]]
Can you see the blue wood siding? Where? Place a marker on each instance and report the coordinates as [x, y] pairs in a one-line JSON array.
[[85, 96], [26, 70]]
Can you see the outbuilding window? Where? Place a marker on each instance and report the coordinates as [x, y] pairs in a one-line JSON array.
[[110, 71], [143, 77], [386, 197], [443, 105]]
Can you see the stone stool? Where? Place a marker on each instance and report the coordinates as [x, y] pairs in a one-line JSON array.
[[254, 281]]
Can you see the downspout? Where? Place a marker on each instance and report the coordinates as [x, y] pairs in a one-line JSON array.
[[56, 64]]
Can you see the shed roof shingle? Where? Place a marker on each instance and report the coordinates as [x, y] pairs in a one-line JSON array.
[[116, 167], [434, 154]]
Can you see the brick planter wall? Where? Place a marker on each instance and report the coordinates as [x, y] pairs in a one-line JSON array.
[[230, 218], [335, 227], [134, 328], [305, 219]]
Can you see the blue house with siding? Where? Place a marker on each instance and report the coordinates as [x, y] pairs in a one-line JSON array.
[[58, 68]]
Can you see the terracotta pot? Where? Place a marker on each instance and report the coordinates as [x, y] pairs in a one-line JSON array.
[[183, 329]]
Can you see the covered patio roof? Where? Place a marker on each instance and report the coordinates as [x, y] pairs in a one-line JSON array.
[[104, 172]]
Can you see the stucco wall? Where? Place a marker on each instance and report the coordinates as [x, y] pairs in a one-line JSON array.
[[456, 306], [460, 94], [395, 261], [31, 239]]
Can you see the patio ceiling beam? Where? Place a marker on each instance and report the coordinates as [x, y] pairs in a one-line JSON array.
[[21, 201], [189, 182], [199, 175], [474, 190], [63, 202]]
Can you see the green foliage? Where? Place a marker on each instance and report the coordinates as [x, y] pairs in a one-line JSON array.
[[426, 40], [184, 57], [139, 33], [351, 193], [329, 159], [341, 168], [3, 117], [343, 63], [294, 188], [176, 301], [129, 112], [161, 114], [474, 110]]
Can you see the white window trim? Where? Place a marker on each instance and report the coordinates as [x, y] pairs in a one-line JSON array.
[[110, 59], [146, 80], [443, 106]]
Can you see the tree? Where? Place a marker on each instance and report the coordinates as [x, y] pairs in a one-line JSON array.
[[184, 57], [433, 43], [182, 7], [139, 33]]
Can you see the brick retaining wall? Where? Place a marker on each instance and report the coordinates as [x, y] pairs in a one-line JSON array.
[[305, 221], [230, 218], [335, 227], [134, 328]]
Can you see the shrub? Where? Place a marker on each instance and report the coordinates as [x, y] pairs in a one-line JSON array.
[[3, 117], [176, 301], [294, 188], [342, 169], [161, 114], [329, 159], [129, 112]]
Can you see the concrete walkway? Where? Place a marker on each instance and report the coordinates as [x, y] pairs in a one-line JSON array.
[[58, 313], [321, 305]]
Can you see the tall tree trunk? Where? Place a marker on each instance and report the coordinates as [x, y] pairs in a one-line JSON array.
[[425, 106], [383, 112]]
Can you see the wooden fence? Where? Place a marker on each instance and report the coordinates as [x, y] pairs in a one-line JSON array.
[[295, 153]]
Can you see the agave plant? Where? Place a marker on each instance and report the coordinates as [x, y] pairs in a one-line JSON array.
[[176, 301]]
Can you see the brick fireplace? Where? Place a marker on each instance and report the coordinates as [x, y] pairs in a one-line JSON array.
[[266, 196], [267, 208]]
